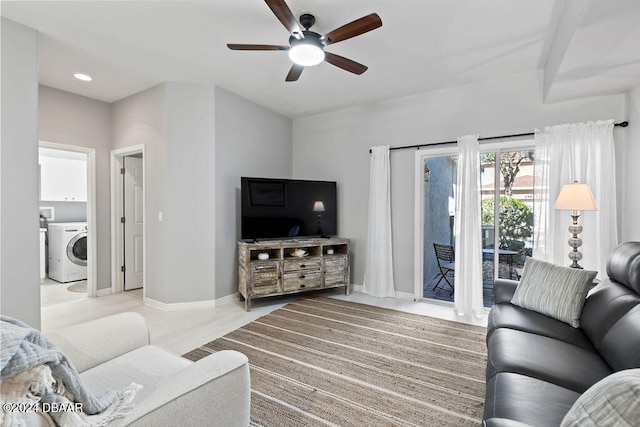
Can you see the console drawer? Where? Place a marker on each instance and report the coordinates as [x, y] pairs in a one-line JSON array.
[[265, 278], [265, 271], [266, 288], [302, 264], [302, 280]]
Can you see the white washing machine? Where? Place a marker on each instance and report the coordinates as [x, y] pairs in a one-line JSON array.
[[68, 251]]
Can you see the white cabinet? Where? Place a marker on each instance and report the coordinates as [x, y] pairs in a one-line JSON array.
[[63, 179], [77, 180]]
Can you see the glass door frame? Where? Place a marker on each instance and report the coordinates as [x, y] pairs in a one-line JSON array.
[[419, 158], [498, 148], [448, 150]]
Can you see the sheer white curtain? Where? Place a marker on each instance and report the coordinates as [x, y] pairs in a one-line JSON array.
[[378, 274], [468, 230], [565, 153]]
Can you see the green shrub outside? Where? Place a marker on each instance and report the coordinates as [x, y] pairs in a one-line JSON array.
[[516, 221]]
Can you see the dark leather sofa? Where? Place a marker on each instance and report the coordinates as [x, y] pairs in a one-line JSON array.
[[537, 366]]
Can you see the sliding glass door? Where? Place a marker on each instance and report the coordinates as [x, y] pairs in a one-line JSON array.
[[506, 186]]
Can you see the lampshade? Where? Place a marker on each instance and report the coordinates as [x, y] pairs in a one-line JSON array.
[[575, 197], [306, 52], [318, 206]]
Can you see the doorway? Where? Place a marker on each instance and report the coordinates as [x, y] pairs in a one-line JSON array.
[[506, 185], [68, 196], [128, 209]]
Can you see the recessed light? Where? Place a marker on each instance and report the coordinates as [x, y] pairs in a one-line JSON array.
[[83, 77]]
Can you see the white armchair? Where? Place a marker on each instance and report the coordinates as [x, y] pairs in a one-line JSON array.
[[112, 352]]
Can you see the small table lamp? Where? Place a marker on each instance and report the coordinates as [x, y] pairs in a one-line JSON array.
[[318, 206], [575, 197]]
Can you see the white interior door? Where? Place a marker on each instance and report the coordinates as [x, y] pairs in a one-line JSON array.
[[133, 223]]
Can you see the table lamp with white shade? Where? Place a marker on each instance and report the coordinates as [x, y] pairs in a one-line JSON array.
[[575, 197], [318, 206]]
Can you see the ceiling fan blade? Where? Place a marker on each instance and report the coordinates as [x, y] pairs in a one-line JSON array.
[[294, 73], [345, 63], [233, 46], [284, 14], [355, 28]]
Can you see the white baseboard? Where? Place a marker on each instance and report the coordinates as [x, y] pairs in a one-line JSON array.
[[179, 305], [226, 300], [189, 305], [405, 295], [399, 295], [104, 291]]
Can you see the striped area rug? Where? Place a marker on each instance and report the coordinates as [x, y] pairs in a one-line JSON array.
[[322, 361]]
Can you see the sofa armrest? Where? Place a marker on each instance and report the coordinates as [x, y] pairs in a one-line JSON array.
[[89, 344], [214, 391], [503, 290]]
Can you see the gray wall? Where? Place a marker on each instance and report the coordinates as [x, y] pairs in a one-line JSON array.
[[70, 119], [199, 141], [629, 157], [140, 119], [190, 193], [175, 122], [250, 141], [67, 211], [19, 186], [336, 145]]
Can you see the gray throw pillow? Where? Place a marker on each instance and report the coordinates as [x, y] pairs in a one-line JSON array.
[[553, 290], [613, 401]]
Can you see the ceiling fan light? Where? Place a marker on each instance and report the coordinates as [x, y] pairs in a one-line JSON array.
[[306, 54]]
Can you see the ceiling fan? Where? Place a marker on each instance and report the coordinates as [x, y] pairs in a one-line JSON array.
[[306, 48]]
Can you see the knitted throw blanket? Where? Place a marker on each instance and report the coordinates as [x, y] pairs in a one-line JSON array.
[[33, 371]]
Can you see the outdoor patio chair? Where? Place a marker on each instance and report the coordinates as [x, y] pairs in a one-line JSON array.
[[446, 263]]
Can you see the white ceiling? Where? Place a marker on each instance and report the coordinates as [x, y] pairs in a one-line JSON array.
[[584, 47]]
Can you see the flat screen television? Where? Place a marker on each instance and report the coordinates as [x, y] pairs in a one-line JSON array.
[[287, 208]]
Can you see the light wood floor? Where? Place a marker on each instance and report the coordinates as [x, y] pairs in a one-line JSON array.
[[183, 330], [52, 292]]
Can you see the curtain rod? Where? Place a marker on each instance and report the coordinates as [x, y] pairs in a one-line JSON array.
[[486, 138]]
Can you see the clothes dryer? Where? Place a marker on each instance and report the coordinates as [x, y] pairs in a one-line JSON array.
[[68, 251]]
